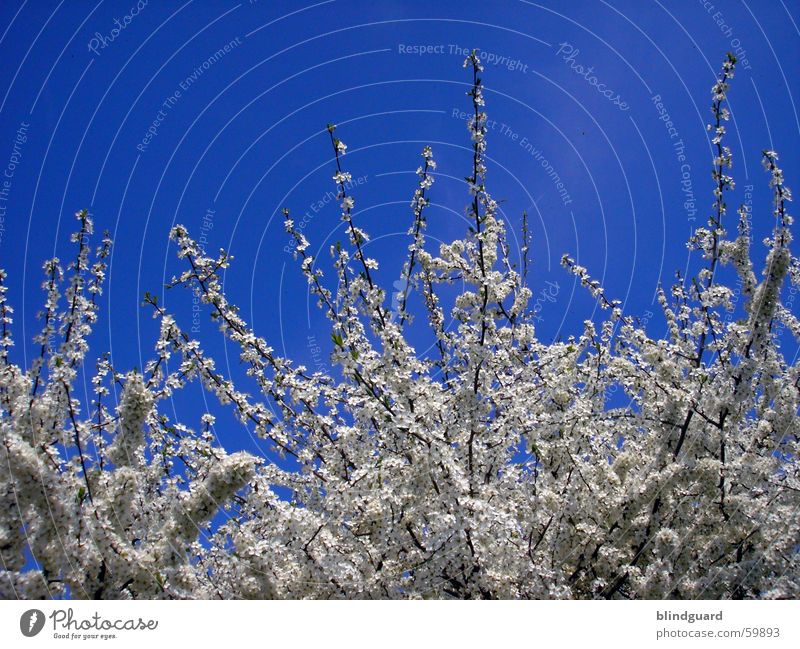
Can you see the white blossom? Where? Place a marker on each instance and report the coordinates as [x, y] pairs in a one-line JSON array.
[[494, 465]]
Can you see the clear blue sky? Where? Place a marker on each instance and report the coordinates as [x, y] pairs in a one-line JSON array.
[[148, 125]]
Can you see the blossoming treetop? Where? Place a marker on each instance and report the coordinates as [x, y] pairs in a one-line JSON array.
[[495, 467]]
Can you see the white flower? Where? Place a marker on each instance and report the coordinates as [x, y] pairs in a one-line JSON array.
[[342, 177], [454, 454]]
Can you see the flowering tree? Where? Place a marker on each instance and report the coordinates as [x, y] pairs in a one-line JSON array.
[[495, 467]]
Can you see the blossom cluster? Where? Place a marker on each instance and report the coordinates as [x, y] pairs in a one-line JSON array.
[[495, 466]]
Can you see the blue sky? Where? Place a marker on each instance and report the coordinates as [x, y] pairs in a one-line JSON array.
[[132, 112]]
